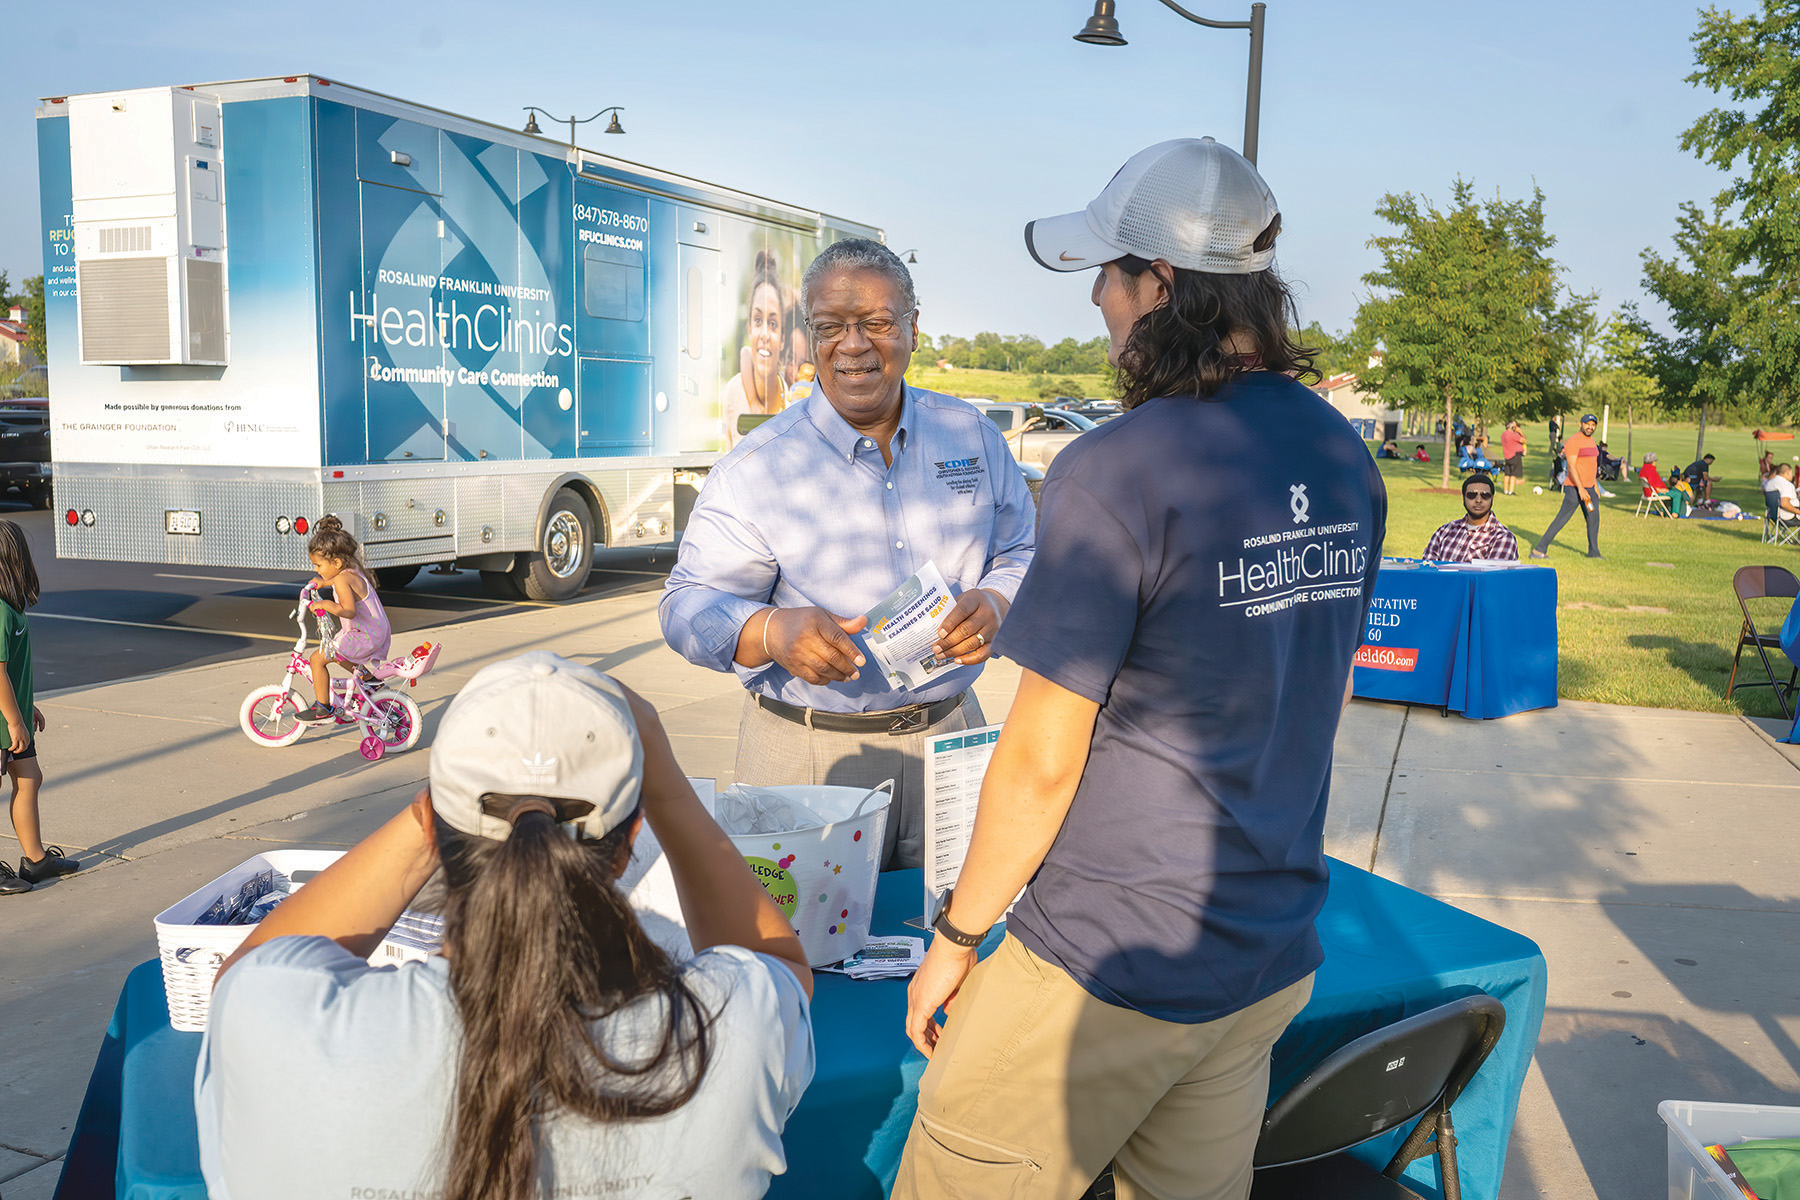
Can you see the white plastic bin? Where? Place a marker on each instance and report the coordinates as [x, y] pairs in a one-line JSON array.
[[191, 954], [1696, 1124]]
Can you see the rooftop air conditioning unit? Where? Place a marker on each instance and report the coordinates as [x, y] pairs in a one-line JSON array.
[[149, 216]]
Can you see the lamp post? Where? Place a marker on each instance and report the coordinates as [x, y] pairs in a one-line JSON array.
[[1102, 29], [613, 126], [911, 256]]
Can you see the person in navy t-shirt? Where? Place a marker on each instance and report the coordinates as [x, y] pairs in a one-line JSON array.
[[1186, 632]]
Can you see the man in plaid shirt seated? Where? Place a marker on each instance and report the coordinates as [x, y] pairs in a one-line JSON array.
[[1478, 535]]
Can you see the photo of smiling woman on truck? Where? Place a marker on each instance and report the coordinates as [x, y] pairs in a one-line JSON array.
[[759, 387]]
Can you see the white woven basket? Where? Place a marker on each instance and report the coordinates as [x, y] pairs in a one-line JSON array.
[[191, 954]]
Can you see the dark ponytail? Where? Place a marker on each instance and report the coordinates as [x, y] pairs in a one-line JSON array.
[[542, 945], [331, 540]]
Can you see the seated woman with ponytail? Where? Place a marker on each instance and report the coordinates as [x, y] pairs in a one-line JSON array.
[[552, 1049]]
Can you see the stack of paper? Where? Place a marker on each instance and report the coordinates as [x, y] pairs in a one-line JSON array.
[[883, 958]]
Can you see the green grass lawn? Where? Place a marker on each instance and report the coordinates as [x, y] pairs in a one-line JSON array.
[[1654, 621]]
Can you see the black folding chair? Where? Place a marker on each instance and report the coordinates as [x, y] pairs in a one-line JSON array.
[[1758, 583], [1416, 1067]]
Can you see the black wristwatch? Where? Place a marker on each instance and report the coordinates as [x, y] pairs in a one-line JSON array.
[[943, 926]]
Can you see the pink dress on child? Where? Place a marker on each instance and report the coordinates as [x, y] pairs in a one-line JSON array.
[[365, 637]]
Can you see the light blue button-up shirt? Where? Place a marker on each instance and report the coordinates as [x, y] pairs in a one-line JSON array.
[[804, 511]]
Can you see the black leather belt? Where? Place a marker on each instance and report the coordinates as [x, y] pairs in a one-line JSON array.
[[910, 719]]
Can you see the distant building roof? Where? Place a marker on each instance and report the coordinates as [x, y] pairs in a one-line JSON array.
[[15, 331]]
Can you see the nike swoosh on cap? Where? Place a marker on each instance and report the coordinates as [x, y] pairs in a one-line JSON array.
[[1067, 257]]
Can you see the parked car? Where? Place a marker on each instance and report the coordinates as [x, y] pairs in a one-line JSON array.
[[25, 448], [1093, 410]]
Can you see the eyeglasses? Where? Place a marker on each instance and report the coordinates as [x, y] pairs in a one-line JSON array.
[[1478, 496], [875, 328]]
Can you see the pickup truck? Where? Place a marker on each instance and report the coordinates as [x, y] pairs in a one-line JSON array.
[[25, 448], [1035, 433]]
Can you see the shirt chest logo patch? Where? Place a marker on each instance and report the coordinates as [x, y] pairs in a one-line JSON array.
[[961, 475]]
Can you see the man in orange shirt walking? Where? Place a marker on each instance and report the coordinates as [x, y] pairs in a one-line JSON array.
[[1580, 487]]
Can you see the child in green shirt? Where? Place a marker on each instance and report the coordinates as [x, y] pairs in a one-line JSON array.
[[18, 745]]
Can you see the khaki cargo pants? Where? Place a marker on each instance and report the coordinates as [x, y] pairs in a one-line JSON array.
[[1035, 1086]]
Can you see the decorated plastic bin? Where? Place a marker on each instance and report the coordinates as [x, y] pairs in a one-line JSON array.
[[823, 878]]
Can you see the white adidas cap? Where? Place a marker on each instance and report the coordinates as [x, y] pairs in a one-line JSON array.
[[1191, 202], [537, 725]]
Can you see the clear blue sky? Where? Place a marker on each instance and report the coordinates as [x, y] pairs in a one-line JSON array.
[[950, 126]]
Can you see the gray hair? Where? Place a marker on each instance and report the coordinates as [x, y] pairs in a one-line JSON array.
[[857, 254]]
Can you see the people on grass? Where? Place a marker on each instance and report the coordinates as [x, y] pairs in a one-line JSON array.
[[823, 511], [1699, 473], [1780, 501], [1580, 488], [1419, 454], [18, 592], [1512, 454], [1655, 485], [1162, 943], [1474, 455], [553, 1048], [1479, 535]]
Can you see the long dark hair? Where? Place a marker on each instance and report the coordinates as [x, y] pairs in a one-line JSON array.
[[1179, 349], [541, 945], [331, 540], [18, 575]]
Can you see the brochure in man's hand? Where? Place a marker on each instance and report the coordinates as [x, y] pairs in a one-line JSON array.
[[903, 627]]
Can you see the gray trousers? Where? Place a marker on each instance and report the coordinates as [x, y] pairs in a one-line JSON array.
[[774, 750]]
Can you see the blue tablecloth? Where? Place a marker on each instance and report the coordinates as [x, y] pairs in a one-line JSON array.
[[1479, 641], [1389, 952]]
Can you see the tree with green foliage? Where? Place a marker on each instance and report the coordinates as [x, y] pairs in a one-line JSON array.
[[1732, 289], [1700, 362], [1465, 295], [35, 340]]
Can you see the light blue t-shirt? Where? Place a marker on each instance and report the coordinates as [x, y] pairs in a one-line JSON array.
[[323, 1078]]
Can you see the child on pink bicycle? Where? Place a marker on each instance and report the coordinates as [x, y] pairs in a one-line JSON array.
[[365, 634]]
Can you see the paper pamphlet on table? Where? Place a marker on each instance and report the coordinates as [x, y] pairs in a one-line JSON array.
[[903, 627], [883, 958], [649, 885], [959, 762]]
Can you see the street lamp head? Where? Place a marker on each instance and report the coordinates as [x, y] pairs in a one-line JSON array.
[[1102, 29], [613, 126], [912, 258], [531, 125]]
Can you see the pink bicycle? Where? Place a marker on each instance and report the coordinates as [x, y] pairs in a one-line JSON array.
[[373, 698]]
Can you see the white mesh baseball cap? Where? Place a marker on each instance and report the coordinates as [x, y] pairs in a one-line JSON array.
[[1191, 202], [537, 725]]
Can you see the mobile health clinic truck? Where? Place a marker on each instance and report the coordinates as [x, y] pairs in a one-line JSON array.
[[272, 299]]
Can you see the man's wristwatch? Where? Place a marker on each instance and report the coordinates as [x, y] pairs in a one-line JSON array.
[[945, 929]]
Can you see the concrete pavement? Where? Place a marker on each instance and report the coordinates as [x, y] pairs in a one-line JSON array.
[[1652, 854]]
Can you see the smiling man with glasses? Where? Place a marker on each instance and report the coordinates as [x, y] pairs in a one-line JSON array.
[[1479, 535], [822, 511]]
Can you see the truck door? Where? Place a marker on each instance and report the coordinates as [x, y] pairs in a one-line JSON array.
[[398, 186], [700, 330], [616, 414]]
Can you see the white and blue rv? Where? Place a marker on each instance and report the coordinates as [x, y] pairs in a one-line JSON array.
[[272, 299]]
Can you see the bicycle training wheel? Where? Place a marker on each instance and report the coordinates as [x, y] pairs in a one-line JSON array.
[[269, 716], [395, 720]]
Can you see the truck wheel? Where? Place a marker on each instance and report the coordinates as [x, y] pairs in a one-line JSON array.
[[392, 579], [565, 554]]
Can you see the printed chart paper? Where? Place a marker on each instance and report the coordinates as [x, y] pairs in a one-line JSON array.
[[958, 763], [903, 627]]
